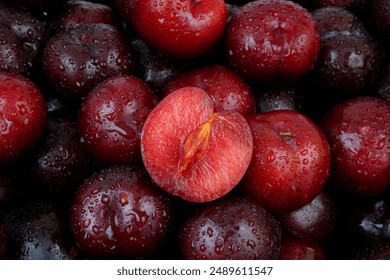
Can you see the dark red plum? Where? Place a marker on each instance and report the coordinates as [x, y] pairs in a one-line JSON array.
[[272, 41], [120, 213], [359, 138], [75, 60], [39, 231], [315, 221], [335, 20], [278, 98], [237, 228], [111, 119], [23, 116], [347, 65], [290, 164], [355, 6], [178, 29], [153, 69], [77, 12], [22, 37], [60, 164]]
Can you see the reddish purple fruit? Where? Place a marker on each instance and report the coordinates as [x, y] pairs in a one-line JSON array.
[[193, 152], [22, 116], [178, 29], [75, 60], [60, 164], [120, 213], [22, 37], [290, 163], [77, 12], [315, 221], [227, 89], [111, 119], [359, 138], [39, 231], [237, 228], [272, 41]]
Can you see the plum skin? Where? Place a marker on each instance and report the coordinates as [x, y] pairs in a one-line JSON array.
[[118, 212], [358, 134], [290, 163], [23, 116], [272, 41], [111, 129], [238, 228]]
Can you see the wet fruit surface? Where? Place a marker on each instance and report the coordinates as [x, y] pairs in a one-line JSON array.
[[290, 163], [37, 230], [77, 59], [178, 28], [194, 129], [111, 119], [231, 229], [119, 213], [359, 140], [22, 117], [272, 41]]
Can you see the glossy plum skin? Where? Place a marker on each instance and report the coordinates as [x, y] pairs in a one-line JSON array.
[[334, 20], [272, 41], [22, 38], [153, 69], [178, 29], [231, 229], [355, 6], [315, 221], [290, 163], [347, 64], [23, 116], [349, 61], [60, 163], [77, 12], [228, 90], [358, 134], [120, 213], [193, 152], [111, 119], [39, 231], [278, 98], [75, 60]]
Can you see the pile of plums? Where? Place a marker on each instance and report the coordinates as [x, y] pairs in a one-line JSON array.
[[195, 129]]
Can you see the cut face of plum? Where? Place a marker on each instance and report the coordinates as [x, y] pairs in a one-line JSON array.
[[193, 152]]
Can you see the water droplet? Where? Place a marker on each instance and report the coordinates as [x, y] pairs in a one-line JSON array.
[[86, 223]]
